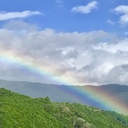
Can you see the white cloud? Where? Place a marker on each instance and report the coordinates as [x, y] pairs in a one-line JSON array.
[[92, 57], [59, 1], [85, 9], [15, 15], [126, 33], [110, 22], [122, 10]]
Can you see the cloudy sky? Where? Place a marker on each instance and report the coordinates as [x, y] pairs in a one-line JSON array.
[[76, 41]]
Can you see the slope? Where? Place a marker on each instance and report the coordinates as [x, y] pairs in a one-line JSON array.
[[22, 112]]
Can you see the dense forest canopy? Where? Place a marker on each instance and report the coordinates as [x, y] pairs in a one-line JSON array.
[[20, 111]]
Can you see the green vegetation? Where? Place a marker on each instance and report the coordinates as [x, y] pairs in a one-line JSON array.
[[19, 111]]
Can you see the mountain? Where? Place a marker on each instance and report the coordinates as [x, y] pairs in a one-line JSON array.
[[20, 111], [117, 90], [60, 93]]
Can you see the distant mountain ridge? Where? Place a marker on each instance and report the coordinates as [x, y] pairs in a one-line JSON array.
[[56, 92], [117, 90]]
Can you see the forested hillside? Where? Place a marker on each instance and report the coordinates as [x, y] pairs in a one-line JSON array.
[[19, 111], [60, 93]]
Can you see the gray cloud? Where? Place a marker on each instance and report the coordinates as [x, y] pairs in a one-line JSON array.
[[19, 25], [118, 74], [95, 57]]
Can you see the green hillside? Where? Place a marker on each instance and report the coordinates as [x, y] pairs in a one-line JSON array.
[[19, 111]]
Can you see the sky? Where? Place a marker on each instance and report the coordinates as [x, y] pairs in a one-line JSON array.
[[85, 41]]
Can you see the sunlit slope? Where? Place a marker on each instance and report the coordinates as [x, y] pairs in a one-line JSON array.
[[22, 112]]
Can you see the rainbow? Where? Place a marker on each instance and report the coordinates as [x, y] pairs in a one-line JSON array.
[[45, 68]]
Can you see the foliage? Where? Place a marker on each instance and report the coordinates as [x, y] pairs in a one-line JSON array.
[[19, 111]]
